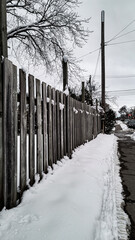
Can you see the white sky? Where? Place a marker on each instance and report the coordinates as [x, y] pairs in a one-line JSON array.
[[119, 58]]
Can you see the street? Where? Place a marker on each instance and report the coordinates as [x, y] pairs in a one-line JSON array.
[[126, 148]]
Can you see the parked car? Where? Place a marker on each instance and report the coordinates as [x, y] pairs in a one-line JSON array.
[[131, 123]]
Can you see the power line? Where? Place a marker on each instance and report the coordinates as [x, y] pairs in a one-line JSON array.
[[113, 38], [97, 49], [120, 43], [124, 34], [96, 65], [123, 94], [122, 90], [126, 92], [117, 76]]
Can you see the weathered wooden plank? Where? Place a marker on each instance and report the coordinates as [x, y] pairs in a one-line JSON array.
[[61, 126], [54, 137], [78, 125], [68, 127], [81, 136], [23, 130], [71, 124], [1, 164], [83, 107], [75, 123], [89, 122], [15, 133], [87, 126], [50, 147], [3, 52], [10, 134], [39, 130], [45, 142], [31, 130], [99, 123], [65, 130], [95, 124], [58, 124], [1, 139], [92, 114]]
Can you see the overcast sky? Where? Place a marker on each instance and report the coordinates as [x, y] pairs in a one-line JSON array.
[[120, 58]]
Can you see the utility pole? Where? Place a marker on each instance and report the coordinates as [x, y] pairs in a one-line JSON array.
[[83, 93], [3, 53], [103, 59], [103, 64], [65, 72], [90, 91], [3, 29]]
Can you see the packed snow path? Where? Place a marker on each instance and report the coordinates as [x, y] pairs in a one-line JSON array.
[[79, 200]]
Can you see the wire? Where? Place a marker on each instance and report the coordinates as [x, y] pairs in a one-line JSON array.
[[120, 94], [113, 38], [120, 43], [125, 34], [123, 94], [122, 90], [117, 77], [96, 65], [126, 92], [88, 53]]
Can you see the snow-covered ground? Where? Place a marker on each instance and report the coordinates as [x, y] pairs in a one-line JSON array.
[[123, 125], [79, 200], [133, 136], [131, 130]]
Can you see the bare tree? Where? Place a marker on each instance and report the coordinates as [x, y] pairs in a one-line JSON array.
[[46, 29]]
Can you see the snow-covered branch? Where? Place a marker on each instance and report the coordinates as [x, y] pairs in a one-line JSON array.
[[46, 26]]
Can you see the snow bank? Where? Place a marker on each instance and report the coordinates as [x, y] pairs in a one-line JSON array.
[[123, 125], [133, 136], [79, 200]]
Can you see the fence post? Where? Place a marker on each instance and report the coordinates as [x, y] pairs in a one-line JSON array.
[[68, 128], [65, 126], [73, 124], [23, 131], [61, 127], [83, 93], [39, 130], [50, 147], [58, 124], [54, 134], [97, 113], [10, 134], [45, 141], [3, 52], [65, 72], [31, 131]]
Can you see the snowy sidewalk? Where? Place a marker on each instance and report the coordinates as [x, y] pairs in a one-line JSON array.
[[79, 200]]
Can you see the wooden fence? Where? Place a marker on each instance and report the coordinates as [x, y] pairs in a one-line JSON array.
[[40, 126]]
